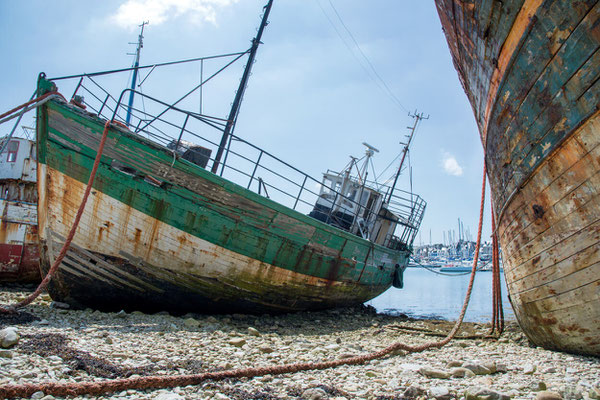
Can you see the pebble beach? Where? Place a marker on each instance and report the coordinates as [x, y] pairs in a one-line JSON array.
[[49, 342]]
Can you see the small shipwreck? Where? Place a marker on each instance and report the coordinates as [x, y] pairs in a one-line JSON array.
[[19, 254]]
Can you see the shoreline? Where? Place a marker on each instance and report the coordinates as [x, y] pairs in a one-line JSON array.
[[63, 345]]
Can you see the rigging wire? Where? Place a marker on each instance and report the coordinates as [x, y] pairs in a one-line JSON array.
[[385, 85], [374, 75]]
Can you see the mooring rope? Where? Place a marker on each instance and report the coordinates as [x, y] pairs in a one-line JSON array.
[[155, 382], [497, 310], [67, 244]]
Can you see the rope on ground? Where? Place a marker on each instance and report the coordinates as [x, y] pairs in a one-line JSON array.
[[67, 244], [155, 382]]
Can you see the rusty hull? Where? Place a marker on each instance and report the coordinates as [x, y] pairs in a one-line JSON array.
[[531, 70], [185, 240]]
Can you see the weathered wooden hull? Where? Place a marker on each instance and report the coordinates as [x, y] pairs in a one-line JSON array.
[[185, 240], [531, 71]]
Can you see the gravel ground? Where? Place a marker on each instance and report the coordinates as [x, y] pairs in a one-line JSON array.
[[62, 345]]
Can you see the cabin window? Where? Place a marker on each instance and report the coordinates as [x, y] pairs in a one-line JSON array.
[[13, 149]]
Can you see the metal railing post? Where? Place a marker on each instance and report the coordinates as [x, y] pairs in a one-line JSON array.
[[300, 192], [255, 168]]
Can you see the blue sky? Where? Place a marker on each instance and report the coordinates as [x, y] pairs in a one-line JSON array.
[[312, 99]]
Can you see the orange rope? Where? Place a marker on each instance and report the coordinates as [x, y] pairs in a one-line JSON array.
[[497, 310], [154, 382], [63, 251], [96, 388], [30, 102]]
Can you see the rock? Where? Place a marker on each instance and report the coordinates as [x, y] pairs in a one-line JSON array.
[[237, 342], [538, 386], [221, 396], [191, 322], [501, 367], [546, 395], [454, 364], [9, 337], [314, 394], [572, 393], [440, 393], [6, 354], [462, 372], [60, 305], [49, 397], [477, 369], [594, 393], [37, 395], [253, 332], [265, 348], [491, 365], [346, 355], [170, 396], [483, 393], [108, 340], [121, 314], [549, 370], [529, 369], [434, 373], [413, 392]]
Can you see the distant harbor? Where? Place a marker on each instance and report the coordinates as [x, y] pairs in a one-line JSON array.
[[430, 295]]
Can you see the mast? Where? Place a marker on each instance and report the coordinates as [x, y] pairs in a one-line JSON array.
[[418, 117], [235, 107], [136, 64]]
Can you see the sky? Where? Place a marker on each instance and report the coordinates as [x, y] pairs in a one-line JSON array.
[[313, 98]]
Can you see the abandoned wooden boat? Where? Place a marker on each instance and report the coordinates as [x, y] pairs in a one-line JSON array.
[[19, 255], [531, 71], [161, 232]]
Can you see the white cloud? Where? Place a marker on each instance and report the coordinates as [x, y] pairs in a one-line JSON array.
[[132, 12], [450, 165]]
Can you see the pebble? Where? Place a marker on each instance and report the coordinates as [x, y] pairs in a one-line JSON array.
[[462, 372], [9, 337], [174, 345], [484, 393], [237, 342], [253, 331], [314, 394], [545, 395], [6, 354], [434, 373]]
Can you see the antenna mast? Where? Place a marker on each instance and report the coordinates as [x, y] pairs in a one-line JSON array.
[[418, 117], [235, 107], [136, 64]]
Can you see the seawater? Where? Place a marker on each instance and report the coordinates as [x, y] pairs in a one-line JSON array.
[[430, 295]]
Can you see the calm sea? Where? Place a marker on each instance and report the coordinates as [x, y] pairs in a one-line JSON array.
[[427, 294]]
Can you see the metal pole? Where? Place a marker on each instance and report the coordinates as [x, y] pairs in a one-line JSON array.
[[136, 65], [240, 92]]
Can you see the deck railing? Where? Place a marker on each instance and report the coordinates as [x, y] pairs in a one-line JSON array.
[[243, 162]]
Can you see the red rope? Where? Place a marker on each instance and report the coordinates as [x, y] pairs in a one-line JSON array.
[[154, 382], [497, 310], [30, 102], [96, 388], [63, 251]]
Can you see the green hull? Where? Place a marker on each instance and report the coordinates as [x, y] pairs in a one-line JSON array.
[[163, 233]]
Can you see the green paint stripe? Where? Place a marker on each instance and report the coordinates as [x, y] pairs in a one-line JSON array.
[[180, 208]]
